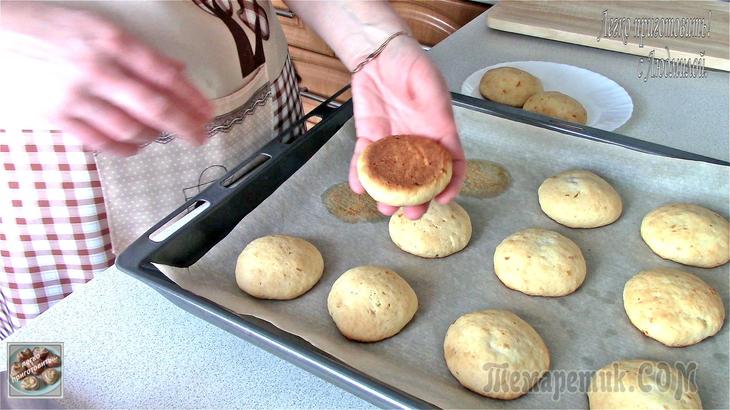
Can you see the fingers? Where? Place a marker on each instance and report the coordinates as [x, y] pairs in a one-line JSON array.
[[156, 69], [94, 139], [154, 107], [415, 212], [132, 91], [353, 177], [114, 123], [409, 96], [458, 169], [386, 209], [457, 181], [161, 72], [411, 212]]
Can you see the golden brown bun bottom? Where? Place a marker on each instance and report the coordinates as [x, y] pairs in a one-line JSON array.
[[404, 170]]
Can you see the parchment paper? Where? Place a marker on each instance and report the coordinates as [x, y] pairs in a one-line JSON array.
[[584, 331]]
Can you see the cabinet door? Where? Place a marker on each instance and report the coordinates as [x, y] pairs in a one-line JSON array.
[[279, 5], [434, 20], [430, 21], [321, 75], [301, 36]]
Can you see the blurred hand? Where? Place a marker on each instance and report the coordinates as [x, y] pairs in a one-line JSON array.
[[402, 92], [109, 90]]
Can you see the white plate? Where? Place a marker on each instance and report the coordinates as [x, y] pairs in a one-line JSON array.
[[607, 104]]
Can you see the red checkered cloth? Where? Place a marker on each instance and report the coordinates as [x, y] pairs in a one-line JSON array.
[[53, 223], [53, 229], [289, 104]]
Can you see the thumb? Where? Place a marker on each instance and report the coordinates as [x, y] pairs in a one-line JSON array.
[[354, 178]]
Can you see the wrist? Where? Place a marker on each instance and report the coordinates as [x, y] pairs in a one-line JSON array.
[[369, 41], [353, 29], [401, 50], [372, 56]]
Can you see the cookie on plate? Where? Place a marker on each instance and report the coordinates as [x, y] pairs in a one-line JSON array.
[[557, 105], [30, 383], [17, 369], [509, 85], [50, 376]]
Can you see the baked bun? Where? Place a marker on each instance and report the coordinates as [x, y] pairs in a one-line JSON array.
[[30, 383], [579, 199], [540, 262], [674, 307], [495, 353], [16, 369], [642, 384], [50, 376], [509, 85], [371, 303], [278, 267], [557, 105], [441, 231], [404, 170], [688, 234], [23, 355]]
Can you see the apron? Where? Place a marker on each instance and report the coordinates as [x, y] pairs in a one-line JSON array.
[[67, 212]]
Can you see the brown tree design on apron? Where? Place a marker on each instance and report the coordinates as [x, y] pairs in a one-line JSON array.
[[254, 17]]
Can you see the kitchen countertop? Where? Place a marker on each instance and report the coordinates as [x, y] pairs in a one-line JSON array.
[[688, 114], [157, 355], [127, 346]]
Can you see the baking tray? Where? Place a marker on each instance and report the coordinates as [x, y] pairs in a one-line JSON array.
[[240, 191]]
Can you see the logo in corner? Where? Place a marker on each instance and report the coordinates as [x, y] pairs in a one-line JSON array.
[[35, 370]]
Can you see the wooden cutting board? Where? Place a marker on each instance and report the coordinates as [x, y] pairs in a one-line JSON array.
[[581, 22]]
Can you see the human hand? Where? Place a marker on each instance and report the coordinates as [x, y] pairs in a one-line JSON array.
[[402, 92], [109, 90]]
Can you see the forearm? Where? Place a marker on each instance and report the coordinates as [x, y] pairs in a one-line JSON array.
[[352, 28]]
